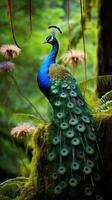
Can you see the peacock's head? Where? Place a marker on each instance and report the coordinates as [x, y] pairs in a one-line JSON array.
[[51, 39]]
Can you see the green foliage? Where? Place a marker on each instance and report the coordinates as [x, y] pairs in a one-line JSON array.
[[22, 117], [105, 103], [11, 188], [20, 99], [88, 7]]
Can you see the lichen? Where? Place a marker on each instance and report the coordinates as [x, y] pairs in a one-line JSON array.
[[88, 5]]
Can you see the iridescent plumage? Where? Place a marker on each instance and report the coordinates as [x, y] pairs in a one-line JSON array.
[[73, 154]]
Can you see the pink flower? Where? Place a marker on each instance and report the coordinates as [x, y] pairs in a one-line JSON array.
[[73, 57], [10, 50], [22, 130]]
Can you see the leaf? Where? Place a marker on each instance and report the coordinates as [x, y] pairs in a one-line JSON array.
[[23, 117], [105, 103], [92, 81], [102, 115]]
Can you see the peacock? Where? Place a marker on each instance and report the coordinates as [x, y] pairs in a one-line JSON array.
[[73, 153]]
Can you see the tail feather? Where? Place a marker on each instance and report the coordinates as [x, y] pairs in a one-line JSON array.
[[73, 151]]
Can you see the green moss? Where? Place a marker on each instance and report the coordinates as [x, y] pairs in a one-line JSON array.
[[11, 189], [36, 186], [88, 8], [2, 197]]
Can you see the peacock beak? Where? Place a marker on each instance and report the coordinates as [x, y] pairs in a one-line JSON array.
[[45, 41]]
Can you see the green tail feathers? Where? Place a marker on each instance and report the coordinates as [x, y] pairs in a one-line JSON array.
[[73, 151]]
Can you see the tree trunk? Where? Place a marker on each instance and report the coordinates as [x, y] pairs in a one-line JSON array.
[[106, 151], [104, 48]]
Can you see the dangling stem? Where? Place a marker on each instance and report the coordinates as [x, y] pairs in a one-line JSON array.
[[30, 103], [9, 4], [81, 10], [14, 179], [68, 15], [30, 14]]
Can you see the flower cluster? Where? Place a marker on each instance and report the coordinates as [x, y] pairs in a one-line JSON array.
[[73, 57], [22, 130], [9, 51], [6, 66]]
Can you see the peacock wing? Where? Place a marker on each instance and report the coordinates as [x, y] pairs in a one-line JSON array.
[[73, 154]]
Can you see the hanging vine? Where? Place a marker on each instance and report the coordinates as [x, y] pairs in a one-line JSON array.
[[30, 14], [10, 14]]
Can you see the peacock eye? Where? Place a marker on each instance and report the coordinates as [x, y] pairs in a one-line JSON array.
[[50, 38]]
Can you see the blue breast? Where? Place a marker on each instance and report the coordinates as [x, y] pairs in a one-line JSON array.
[[43, 78]]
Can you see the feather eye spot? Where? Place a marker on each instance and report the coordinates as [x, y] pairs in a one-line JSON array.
[[92, 137], [88, 191], [77, 111], [64, 125], [54, 176], [61, 170], [51, 156], [69, 134], [57, 103], [90, 163], [73, 182], [64, 85], [55, 91], [58, 189], [63, 184], [60, 115], [56, 140], [64, 152], [74, 86], [81, 154], [73, 121], [73, 94], [80, 102], [89, 150], [63, 95], [70, 105], [75, 142], [85, 118], [81, 127], [75, 166], [87, 170]]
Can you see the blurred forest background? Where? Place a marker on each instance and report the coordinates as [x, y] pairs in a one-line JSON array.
[[16, 91]]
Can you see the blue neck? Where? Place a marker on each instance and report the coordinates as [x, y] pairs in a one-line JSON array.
[[43, 78]]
